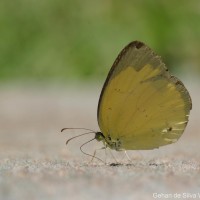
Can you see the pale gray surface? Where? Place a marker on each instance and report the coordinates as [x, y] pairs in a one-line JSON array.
[[36, 164]]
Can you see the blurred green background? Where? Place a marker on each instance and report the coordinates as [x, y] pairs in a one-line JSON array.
[[54, 58], [65, 40]]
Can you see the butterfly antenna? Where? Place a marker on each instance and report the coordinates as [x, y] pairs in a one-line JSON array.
[[93, 156], [78, 136], [86, 129], [91, 131]]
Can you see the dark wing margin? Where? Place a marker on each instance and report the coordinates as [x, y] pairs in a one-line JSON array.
[[136, 44], [183, 91]]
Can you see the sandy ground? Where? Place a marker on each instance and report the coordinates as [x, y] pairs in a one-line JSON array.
[[35, 163]]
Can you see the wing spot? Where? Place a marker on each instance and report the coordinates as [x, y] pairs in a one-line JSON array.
[[169, 129], [138, 44], [117, 89], [178, 82]]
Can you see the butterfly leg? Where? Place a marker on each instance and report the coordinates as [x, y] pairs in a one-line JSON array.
[[113, 156], [127, 156], [94, 154]]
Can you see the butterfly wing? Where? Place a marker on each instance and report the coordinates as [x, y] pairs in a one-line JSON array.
[[141, 104]]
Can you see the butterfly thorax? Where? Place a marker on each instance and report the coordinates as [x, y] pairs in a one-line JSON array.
[[108, 141]]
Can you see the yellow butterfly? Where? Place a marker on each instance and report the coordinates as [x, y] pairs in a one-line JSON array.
[[141, 105]]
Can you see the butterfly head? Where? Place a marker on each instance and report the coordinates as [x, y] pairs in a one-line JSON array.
[[108, 141], [99, 136]]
